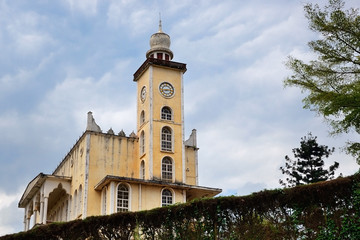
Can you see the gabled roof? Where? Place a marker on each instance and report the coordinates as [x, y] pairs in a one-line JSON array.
[[34, 186]]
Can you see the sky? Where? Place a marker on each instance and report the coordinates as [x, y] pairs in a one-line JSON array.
[[60, 59]]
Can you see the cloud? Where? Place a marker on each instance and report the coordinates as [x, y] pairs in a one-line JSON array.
[[11, 216], [60, 61], [86, 7]]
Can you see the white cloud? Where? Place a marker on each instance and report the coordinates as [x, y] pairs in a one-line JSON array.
[[133, 15], [53, 72], [11, 217], [87, 7]]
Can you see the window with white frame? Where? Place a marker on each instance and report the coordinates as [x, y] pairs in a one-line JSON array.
[[142, 169], [167, 169], [166, 197], [166, 113], [142, 142], [166, 139], [122, 198]]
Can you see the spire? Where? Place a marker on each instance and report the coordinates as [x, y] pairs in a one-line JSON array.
[[160, 25]]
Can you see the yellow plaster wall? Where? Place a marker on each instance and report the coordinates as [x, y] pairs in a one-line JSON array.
[[151, 196], [109, 155], [158, 75], [73, 166], [190, 165], [172, 76]]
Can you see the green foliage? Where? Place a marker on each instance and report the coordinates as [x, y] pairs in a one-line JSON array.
[[314, 211], [349, 226], [309, 163], [333, 79]]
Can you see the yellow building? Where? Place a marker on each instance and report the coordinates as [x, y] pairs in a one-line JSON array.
[[105, 173]]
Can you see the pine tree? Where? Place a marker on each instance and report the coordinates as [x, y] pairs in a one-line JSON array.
[[309, 164]]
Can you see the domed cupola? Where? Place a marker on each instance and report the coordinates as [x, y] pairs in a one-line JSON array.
[[160, 46]]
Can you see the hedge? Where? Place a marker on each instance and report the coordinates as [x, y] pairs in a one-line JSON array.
[[325, 210]]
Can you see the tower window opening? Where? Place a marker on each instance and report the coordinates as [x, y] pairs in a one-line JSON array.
[[166, 139], [122, 198], [166, 169], [166, 197], [142, 117], [142, 170], [166, 113], [159, 55], [142, 142], [167, 58]]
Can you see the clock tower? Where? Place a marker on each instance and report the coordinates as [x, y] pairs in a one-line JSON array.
[[160, 113]]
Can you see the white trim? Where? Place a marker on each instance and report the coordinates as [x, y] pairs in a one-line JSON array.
[[112, 198], [86, 177], [130, 194], [69, 208], [184, 196], [196, 167], [75, 205], [151, 120], [140, 198], [183, 130], [104, 198]]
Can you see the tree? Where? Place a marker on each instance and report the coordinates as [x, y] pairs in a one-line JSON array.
[[309, 164], [333, 79]]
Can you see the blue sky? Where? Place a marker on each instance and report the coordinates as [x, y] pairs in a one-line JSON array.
[[61, 59]]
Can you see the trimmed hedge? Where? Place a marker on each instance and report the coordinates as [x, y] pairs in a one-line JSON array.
[[315, 211]]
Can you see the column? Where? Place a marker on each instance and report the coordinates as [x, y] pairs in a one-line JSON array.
[[25, 220], [28, 223], [140, 198], [41, 211], [35, 216], [45, 209], [112, 197]]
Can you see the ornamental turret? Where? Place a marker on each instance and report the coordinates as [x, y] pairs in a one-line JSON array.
[[160, 46]]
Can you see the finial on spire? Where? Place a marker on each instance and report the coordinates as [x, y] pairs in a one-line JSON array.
[[160, 26]]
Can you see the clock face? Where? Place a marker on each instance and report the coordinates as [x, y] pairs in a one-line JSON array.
[[143, 94], [166, 89]]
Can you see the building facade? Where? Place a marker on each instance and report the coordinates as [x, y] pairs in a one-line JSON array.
[[105, 173]]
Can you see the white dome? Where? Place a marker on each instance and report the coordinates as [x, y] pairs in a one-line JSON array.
[[160, 42]]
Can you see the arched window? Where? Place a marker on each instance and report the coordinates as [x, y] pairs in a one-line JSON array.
[[142, 142], [142, 169], [166, 197], [80, 200], [122, 198], [166, 113], [166, 169], [142, 117], [104, 201], [166, 139]]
